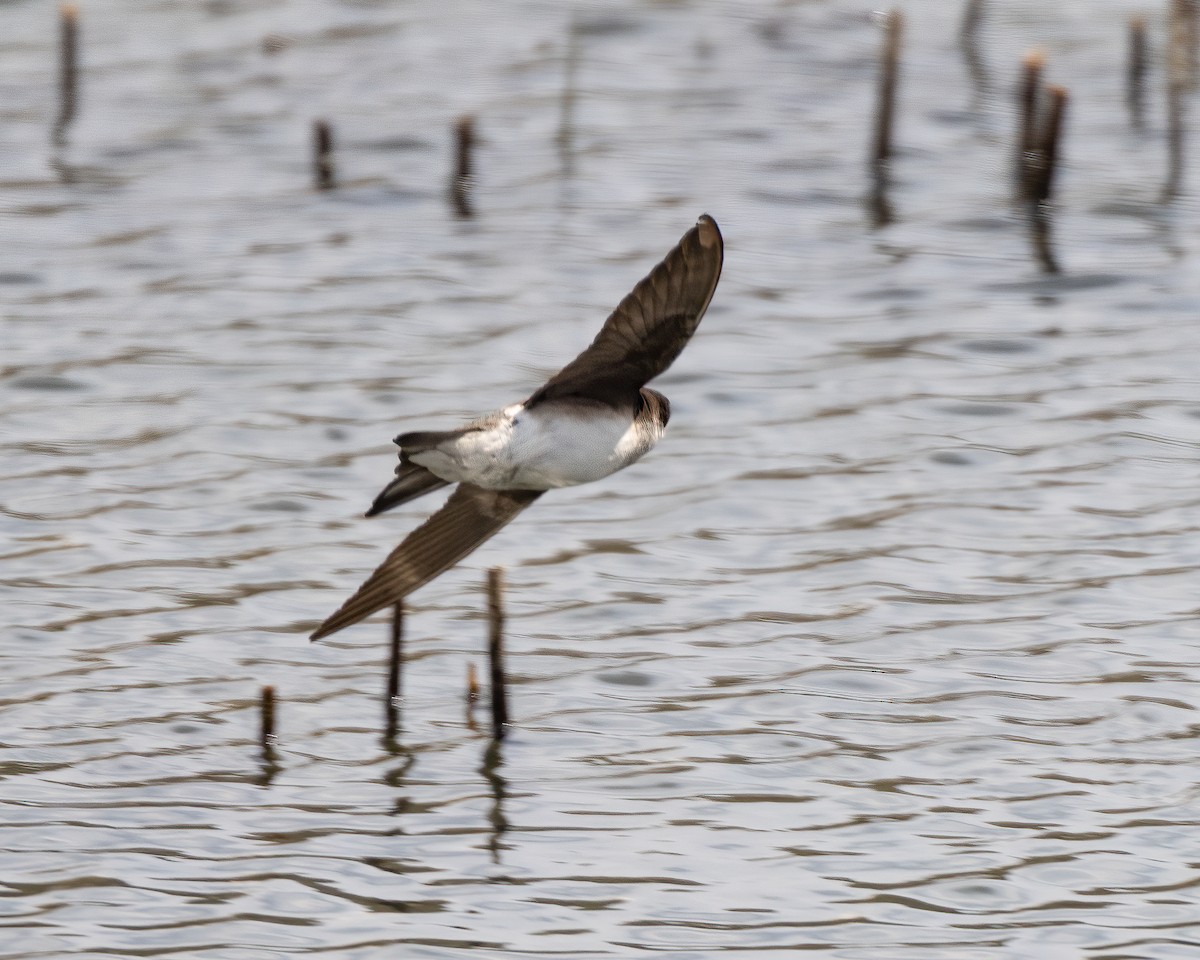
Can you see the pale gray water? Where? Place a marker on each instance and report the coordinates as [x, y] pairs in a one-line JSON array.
[[887, 651]]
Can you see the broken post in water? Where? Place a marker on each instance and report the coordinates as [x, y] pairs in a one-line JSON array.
[[495, 587], [323, 155], [68, 69], [968, 39], [972, 17], [1135, 76], [885, 112], [1048, 142], [1043, 173], [460, 186], [391, 702], [885, 107], [566, 120], [266, 714], [1038, 135], [1028, 96], [1182, 35], [1185, 20], [472, 695], [472, 685]]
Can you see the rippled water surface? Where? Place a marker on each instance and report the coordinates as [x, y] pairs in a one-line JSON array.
[[889, 648]]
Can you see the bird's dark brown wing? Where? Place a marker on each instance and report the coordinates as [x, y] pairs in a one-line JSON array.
[[470, 517], [651, 325]]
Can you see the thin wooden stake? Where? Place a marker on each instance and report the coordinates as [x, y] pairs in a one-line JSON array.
[[1041, 172], [885, 113], [1185, 21], [566, 120], [266, 711], [972, 17], [1181, 37], [1048, 142], [885, 107], [473, 694], [1038, 173], [495, 588], [391, 702], [968, 38], [460, 186], [323, 170], [68, 69], [1028, 95], [472, 684], [1135, 77]]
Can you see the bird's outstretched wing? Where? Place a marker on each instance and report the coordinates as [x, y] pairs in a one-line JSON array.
[[650, 327], [470, 517]]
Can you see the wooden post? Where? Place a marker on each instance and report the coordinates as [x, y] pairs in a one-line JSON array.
[[1029, 92], [1185, 19], [972, 17], [460, 186], [1181, 58], [495, 587], [885, 113], [1042, 171], [323, 170], [472, 694], [391, 703], [266, 712], [1135, 77], [1047, 149], [472, 685], [968, 40], [68, 69], [566, 120], [885, 106]]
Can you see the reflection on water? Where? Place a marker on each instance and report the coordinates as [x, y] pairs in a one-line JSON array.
[[886, 651]]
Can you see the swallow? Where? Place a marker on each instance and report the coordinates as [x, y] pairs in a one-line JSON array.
[[594, 417]]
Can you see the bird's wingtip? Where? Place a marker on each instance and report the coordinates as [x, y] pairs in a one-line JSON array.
[[324, 630], [710, 233]]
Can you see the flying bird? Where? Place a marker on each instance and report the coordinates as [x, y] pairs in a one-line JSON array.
[[592, 418]]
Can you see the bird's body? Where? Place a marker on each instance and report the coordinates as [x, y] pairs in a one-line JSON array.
[[591, 419], [559, 443]]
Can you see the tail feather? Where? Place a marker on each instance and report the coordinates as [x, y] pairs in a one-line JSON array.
[[411, 481], [420, 440]]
